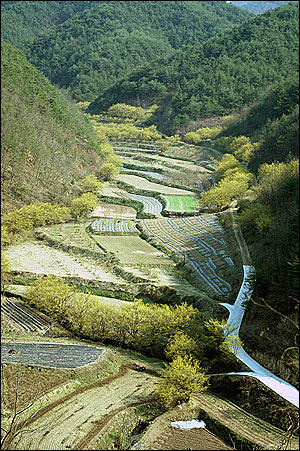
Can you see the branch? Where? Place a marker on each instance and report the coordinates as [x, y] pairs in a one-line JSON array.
[[267, 305]]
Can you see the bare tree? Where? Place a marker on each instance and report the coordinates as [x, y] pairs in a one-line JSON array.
[[18, 410]]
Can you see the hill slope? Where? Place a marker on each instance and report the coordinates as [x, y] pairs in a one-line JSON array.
[[274, 121], [261, 6], [218, 77], [23, 21], [94, 47], [47, 143]]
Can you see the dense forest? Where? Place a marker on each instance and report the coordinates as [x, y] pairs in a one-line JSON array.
[[217, 77], [273, 120], [90, 44], [22, 22], [261, 6], [47, 143]]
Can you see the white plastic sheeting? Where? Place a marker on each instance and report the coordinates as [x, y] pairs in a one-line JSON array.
[[184, 425]]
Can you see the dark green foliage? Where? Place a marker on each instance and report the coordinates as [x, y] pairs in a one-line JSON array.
[[273, 120], [216, 78], [271, 227], [23, 21], [47, 143], [278, 99], [280, 140], [91, 44]]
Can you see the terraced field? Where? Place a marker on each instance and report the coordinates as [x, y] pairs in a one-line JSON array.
[[107, 210], [258, 432], [74, 421], [110, 225], [132, 249], [33, 256], [51, 355], [183, 204], [176, 171], [154, 175], [144, 184], [200, 240], [65, 425], [151, 205]]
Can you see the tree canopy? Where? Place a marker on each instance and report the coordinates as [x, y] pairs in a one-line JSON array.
[[47, 142], [217, 77], [85, 46]]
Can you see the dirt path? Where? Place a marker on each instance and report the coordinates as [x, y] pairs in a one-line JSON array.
[[65, 424], [246, 259]]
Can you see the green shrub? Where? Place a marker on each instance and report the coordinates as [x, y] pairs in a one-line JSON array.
[[22, 221], [179, 380], [108, 171], [83, 205], [5, 270], [256, 218], [90, 184]]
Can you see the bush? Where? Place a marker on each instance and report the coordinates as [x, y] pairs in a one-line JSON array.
[[179, 380], [6, 236], [52, 295], [22, 221], [83, 205], [5, 270], [90, 184], [180, 345], [108, 171], [256, 218]]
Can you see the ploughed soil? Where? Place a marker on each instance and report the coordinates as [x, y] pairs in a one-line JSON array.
[[72, 421]]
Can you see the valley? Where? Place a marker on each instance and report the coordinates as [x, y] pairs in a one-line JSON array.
[[149, 225], [78, 252]]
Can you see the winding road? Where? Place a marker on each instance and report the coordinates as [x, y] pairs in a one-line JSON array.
[[236, 313]]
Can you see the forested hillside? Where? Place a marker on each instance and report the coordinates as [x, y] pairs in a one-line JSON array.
[[47, 143], [273, 120], [261, 6], [103, 40], [22, 22], [217, 77]]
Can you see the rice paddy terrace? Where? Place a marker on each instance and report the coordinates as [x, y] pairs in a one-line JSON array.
[[200, 240], [186, 166], [144, 250]]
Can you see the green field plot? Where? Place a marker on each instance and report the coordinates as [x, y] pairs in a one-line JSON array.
[[68, 235], [133, 250], [173, 203], [187, 204]]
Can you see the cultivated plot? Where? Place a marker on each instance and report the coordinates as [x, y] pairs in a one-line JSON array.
[[32, 256], [51, 355], [151, 205], [154, 175], [107, 210], [133, 250], [67, 236], [115, 226], [181, 204], [66, 425], [144, 184], [182, 164], [200, 242]]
